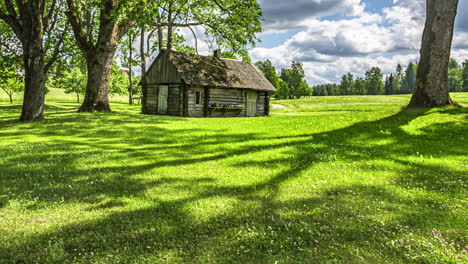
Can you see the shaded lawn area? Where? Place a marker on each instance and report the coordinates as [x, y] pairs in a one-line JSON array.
[[352, 182]]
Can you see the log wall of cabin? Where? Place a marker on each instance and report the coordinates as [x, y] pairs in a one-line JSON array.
[[173, 99], [193, 109], [152, 99], [262, 103], [227, 97]]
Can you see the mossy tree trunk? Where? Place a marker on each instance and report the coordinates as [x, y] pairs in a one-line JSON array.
[[99, 65], [432, 77]]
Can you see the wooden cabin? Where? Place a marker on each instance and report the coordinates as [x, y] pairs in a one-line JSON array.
[[180, 84]]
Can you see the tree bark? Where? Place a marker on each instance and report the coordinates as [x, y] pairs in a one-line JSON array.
[[28, 22], [33, 58], [432, 77], [160, 35], [99, 65], [143, 71], [130, 60], [34, 89]]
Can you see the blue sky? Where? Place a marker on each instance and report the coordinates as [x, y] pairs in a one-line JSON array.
[[333, 37]]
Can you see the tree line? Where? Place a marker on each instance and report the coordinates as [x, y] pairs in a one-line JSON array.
[[86, 34], [290, 83], [402, 81], [373, 83], [429, 82]]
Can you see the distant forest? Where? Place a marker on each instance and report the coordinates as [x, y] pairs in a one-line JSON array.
[[291, 82]]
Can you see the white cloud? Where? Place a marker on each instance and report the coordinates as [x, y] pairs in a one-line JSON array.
[[291, 14], [331, 48]]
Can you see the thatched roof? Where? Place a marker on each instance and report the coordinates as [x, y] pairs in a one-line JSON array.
[[210, 71]]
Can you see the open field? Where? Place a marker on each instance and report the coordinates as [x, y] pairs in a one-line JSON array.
[[336, 180], [56, 94]]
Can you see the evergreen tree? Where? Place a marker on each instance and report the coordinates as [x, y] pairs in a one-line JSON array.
[[346, 86], [398, 79], [399, 72], [388, 84], [374, 81], [410, 79], [396, 85], [360, 86], [330, 89], [465, 76]]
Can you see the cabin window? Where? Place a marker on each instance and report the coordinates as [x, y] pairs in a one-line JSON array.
[[197, 97]]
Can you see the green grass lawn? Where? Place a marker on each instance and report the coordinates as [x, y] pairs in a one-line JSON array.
[[327, 180]]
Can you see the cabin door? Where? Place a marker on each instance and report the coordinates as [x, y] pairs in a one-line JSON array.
[[162, 99], [252, 103]]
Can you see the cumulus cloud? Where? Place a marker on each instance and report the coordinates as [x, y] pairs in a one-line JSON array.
[[462, 19], [330, 48], [291, 14]]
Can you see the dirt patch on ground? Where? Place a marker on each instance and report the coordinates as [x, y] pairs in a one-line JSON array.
[[277, 106]]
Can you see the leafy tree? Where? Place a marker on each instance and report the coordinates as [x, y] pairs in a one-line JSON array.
[[455, 76], [294, 77], [360, 86], [118, 81], [269, 71], [305, 89], [374, 81], [283, 90], [98, 42], [10, 82], [453, 64], [39, 27], [229, 55], [465, 76], [129, 58], [10, 62], [73, 81], [432, 78]]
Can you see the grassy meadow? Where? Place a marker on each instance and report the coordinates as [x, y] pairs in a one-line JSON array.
[[324, 180]]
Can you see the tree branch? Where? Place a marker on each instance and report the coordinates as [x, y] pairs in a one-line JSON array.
[[50, 14], [84, 43], [178, 24], [12, 19], [126, 24], [196, 39], [56, 52]]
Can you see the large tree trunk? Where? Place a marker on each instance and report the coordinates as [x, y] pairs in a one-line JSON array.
[[432, 78], [99, 65], [33, 58], [34, 89]]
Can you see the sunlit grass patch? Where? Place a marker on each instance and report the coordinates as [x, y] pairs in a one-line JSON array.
[[350, 180]]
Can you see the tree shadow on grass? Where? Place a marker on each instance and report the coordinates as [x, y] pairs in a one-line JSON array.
[[248, 222]]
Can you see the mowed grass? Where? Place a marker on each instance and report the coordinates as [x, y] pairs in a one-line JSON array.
[[328, 180]]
